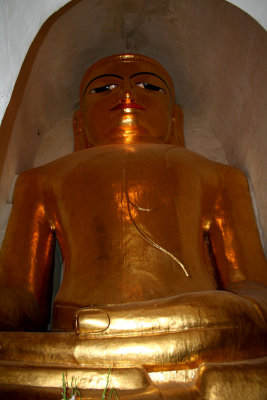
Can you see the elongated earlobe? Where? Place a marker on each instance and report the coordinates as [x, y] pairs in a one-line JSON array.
[[80, 139], [177, 128]]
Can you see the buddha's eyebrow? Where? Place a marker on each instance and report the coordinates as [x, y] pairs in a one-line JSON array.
[[101, 76], [151, 73]]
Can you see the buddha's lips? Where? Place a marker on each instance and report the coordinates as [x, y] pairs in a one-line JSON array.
[[122, 106]]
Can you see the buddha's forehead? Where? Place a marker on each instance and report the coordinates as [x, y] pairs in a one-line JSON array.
[[126, 65]]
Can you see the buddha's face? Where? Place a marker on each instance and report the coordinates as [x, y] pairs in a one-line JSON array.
[[126, 101]]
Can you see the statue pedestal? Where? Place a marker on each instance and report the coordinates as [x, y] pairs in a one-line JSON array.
[[209, 381], [32, 367]]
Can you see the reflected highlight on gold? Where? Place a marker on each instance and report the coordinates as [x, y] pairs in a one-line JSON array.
[[128, 126], [227, 235]]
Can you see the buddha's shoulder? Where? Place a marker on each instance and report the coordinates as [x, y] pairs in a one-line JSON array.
[[181, 154], [183, 158], [65, 163], [107, 155]]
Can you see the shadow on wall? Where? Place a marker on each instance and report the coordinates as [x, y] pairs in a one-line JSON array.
[[215, 53]]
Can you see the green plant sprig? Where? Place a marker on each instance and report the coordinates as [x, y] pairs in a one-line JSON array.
[[76, 392]]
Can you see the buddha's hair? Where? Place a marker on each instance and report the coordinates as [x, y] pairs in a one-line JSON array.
[[126, 58]]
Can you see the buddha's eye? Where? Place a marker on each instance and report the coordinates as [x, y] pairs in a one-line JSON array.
[[149, 86], [105, 88]]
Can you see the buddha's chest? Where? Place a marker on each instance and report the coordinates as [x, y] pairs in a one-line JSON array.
[[126, 185], [134, 217], [127, 204]]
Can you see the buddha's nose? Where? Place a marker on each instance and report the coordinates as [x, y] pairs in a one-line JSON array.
[[127, 92], [127, 98]]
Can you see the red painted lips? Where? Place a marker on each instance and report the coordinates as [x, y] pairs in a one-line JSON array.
[[122, 106]]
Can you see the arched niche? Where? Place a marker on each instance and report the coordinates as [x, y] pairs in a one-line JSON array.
[[215, 53]]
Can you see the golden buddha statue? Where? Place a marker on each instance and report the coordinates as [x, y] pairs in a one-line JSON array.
[[164, 272]]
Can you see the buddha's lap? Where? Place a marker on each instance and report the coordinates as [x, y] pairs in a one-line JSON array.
[[187, 330]]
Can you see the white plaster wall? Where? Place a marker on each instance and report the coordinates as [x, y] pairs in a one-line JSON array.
[[256, 8], [20, 20]]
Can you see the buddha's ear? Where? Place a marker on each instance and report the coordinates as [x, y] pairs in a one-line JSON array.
[[80, 138], [177, 128]]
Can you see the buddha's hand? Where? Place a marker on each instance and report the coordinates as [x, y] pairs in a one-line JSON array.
[[18, 310], [241, 306], [187, 329]]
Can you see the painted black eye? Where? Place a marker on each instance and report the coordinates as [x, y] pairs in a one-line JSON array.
[[103, 89], [149, 86]]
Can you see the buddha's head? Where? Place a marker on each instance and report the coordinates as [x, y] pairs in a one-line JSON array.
[[127, 98]]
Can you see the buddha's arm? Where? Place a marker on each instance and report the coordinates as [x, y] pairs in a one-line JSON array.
[[235, 240], [26, 259]]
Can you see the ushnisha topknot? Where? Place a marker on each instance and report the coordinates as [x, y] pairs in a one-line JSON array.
[[91, 71]]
